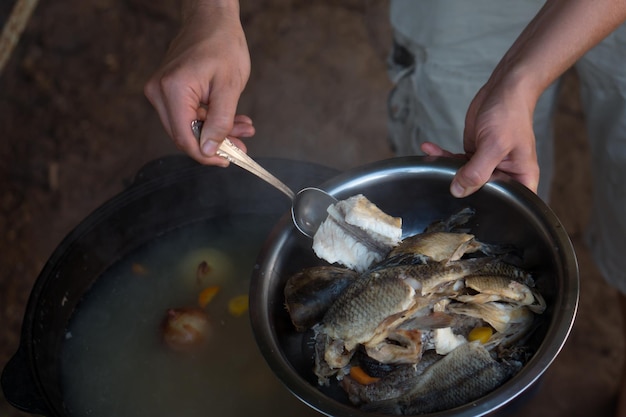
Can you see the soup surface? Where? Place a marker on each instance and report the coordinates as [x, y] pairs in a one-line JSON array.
[[114, 362]]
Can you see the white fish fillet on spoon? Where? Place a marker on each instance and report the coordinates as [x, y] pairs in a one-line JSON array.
[[356, 234]]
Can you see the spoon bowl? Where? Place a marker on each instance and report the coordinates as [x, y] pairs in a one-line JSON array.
[[308, 209]]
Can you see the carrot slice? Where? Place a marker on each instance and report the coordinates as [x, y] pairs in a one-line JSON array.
[[359, 375], [206, 295]]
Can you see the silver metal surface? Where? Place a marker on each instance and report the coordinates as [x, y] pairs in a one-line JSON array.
[[233, 154], [417, 189], [308, 207]]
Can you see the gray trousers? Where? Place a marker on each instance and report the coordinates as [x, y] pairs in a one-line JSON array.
[[445, 50]]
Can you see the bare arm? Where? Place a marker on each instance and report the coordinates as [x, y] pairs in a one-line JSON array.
[[202, 77], [498, 126]]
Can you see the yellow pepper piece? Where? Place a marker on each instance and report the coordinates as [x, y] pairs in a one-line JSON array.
[[238, 305], [207, 294], [483, 334]]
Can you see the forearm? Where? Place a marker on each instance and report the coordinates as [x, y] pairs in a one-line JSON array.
[[554, 40], [202, 77]]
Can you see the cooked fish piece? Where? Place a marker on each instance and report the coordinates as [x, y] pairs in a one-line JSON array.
[[371, 366], [360, 311], [383, 298], [501, 316], [465, 374], [356, 234], [336, 245], [436, 276], [497, 288], [438, 246], [310, 292], [358, 211], [393, 384], [380, 301], [505, 269], [407, 342], [399, 346], [322, 368], [453, 222], [405, 309], [445, 340]]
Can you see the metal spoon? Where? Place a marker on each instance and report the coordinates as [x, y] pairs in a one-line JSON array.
[[308, 206]]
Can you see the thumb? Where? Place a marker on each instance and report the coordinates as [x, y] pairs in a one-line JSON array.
[[474, 174], [219, 121]]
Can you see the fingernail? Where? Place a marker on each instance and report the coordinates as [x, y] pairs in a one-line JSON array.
[[457, 190], [209, 148]]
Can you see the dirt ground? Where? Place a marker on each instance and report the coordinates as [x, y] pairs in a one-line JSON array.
[[76, 128]]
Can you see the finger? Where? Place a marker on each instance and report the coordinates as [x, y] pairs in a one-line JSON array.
[[201, 112], [183, 111], [525, 169], [242, 130], [152, 93], [469, 131], [238, 143], [219, 119], [242, 118], [180, 132], [243, 127], [529, 180], [432, 149], [476, 172]]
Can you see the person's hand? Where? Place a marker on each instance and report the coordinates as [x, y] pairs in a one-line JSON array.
[[499, 123], [498, 135], [202, 77]]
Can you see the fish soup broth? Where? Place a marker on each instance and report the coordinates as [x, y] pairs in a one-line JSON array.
[[114, 361]]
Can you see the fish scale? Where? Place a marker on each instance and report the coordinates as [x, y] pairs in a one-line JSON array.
[[356, 314], [385, 293], [465, 374]]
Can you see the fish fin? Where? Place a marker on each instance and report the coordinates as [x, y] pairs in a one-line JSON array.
[[402, 259], [435, 320], [391, 407], [453, 222]]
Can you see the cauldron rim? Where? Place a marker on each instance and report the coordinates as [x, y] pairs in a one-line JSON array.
[[24, 382]]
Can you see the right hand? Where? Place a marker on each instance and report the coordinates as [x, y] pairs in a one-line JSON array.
[[202, 77], [499, 135]]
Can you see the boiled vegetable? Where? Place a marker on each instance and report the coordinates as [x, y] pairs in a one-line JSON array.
[[482, 334], [238, 305], [185, 329], [207, 294], [359, 375]]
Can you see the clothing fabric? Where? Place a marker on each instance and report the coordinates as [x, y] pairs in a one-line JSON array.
[[445, 50]]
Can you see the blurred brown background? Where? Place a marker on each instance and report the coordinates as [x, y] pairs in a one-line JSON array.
[[76, 128]]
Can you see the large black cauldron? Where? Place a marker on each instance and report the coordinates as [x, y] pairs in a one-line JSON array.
[[167, 194]]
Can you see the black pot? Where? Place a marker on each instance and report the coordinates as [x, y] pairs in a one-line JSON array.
[[167, 194]]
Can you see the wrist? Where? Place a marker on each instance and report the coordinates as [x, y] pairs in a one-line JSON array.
[[205, 9], [522, 82]]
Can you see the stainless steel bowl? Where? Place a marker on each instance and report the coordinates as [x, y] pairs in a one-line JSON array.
[[417, 189]]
